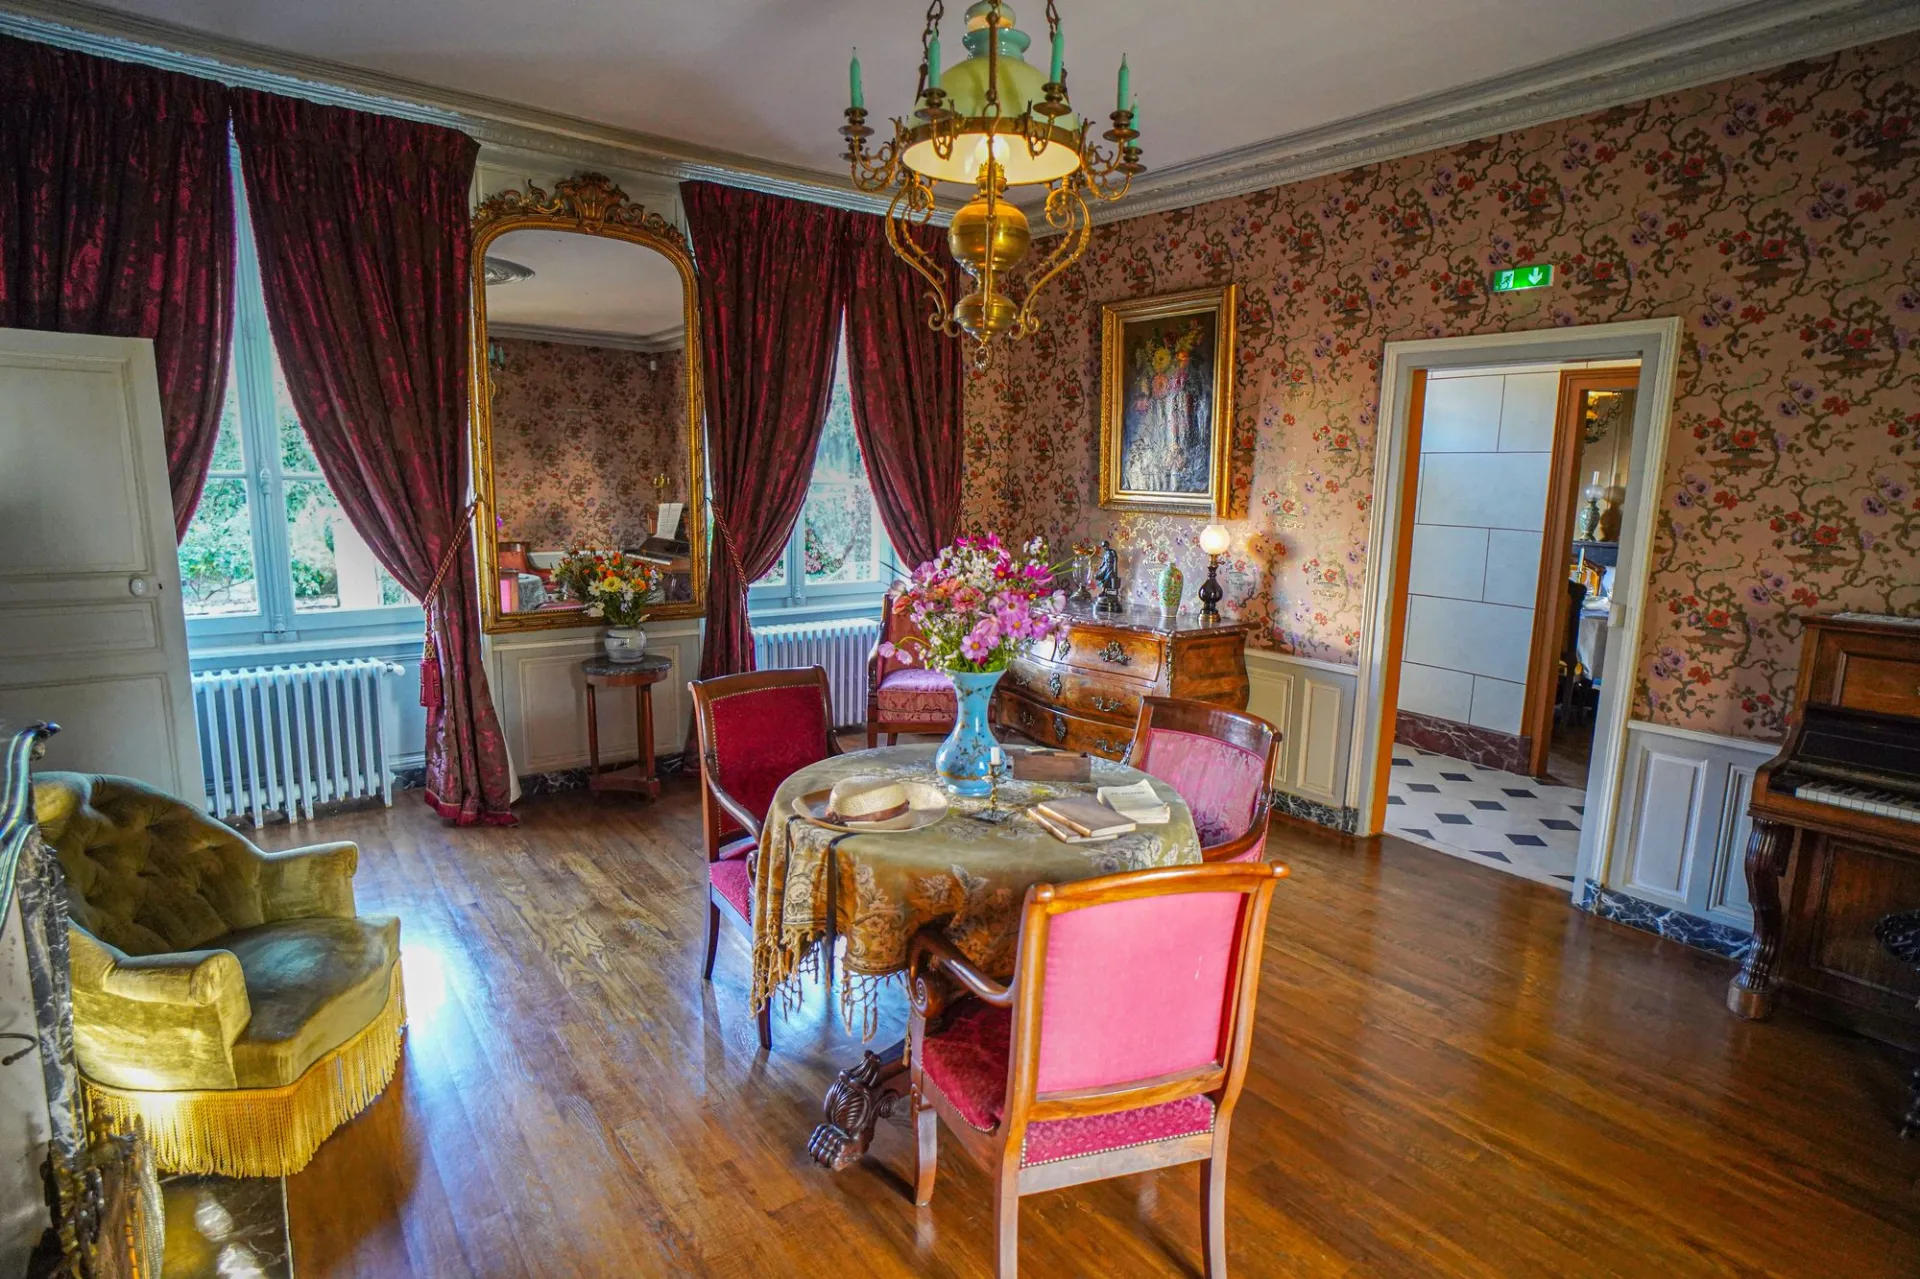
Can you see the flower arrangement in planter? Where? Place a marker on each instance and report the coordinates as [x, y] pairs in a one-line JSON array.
[[977, 605], [617, 588]]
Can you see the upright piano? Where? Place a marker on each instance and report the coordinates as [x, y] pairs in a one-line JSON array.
[[1836, 833]]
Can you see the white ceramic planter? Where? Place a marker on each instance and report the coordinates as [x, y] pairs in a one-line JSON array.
[[624, 643]]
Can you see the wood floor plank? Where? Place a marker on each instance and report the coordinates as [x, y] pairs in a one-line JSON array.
[[1454, 1074]]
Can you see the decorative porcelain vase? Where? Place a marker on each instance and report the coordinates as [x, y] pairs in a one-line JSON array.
[[1173, 583], [624, 643], [962, 759]]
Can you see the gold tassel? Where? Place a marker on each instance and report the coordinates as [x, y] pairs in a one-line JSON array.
[[262, 1132]]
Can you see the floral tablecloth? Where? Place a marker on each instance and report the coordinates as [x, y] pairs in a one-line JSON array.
[[972, 873]]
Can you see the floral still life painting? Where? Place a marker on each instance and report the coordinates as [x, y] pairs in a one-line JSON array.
[[1167, 402]]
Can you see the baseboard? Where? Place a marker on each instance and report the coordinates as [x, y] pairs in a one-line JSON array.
[[1664, 921], [1344, 820], [1483, 746]]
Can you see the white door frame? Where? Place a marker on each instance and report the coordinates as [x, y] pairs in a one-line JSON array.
[[1655, 343]]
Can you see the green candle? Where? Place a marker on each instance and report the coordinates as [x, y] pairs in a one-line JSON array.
[[853, 77], [1135, 123], [933, 63], [1126, 78], [1059, 57]]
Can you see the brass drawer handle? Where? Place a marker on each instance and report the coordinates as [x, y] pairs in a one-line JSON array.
[[1059, 728], [1115, 655], [1111, 748], [1108, 704]]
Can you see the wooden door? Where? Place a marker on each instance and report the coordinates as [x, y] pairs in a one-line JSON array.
[[1550, 607], [93, 631]]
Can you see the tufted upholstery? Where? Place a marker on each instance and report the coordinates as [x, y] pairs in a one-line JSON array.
[[199, 961]]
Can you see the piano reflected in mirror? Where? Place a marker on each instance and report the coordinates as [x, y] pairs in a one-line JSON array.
[[1836, 834]]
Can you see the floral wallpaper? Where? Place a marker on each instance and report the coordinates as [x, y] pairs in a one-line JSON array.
[[1778, 214], [581, 434]]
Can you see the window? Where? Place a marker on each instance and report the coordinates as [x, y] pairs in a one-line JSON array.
[[839, 555], [270, 557]]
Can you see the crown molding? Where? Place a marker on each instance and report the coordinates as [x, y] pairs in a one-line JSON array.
[[493, 122], [657, 343], [1748, 38]]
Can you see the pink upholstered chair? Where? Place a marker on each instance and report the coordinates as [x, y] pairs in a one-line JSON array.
[[903, 698], [1220, 761], [1120, 1046], [754, 731]]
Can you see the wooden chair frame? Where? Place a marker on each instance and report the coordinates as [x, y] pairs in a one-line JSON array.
[[718, 809], [999, 1152], [1236, 728], [879, 666]]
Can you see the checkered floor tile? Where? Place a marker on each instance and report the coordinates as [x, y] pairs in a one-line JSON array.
[[1507, 822]]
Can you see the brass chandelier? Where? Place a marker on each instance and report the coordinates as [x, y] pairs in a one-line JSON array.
[[991, 122]]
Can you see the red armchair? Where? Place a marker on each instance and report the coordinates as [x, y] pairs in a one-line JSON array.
[[1221, 762], [1120, 1046], [754, 731], [904, 698]]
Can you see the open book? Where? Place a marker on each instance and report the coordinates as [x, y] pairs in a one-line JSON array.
[[1138, 803]]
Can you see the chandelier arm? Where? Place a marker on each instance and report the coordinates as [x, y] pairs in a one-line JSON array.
[[1071, 215], [917, 200]]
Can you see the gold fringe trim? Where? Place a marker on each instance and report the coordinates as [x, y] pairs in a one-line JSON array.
[[262, 1132]]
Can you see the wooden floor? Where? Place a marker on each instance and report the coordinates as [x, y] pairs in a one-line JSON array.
[[1455, 1074]]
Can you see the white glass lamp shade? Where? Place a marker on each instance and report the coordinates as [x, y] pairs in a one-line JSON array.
[[1021, 85], [1214, 539]]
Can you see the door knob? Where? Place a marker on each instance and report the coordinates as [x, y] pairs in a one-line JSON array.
[[138, 585]]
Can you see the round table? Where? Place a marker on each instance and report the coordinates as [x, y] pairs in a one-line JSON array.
[[813, 885], [640, 676]]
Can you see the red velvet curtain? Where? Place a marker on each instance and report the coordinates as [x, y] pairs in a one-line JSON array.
[[116, 218], [772, 286], [907, 382], [362, 223]]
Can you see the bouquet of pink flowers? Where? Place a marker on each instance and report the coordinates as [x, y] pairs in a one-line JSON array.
[[976, 605]]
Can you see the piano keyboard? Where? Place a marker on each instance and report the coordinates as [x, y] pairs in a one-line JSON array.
[[1861, 799]]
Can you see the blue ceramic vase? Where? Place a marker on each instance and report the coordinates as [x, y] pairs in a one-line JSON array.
[[962, 759]]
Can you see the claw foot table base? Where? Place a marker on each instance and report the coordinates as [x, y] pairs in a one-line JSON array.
[[859, 1099]]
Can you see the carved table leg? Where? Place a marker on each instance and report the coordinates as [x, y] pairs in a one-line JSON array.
[[860, 1098], [1751, 993]]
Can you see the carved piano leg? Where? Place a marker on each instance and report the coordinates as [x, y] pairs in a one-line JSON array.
[[1751, 995]]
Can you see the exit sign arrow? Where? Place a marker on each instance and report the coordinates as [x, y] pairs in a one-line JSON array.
[[1534, 275]]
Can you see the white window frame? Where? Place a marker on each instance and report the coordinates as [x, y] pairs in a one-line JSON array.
[[276, 623]]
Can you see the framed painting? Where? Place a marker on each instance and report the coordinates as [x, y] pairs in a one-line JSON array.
[[1166, 402]]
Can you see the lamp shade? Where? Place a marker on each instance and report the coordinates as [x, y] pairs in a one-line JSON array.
[[1214, 539]]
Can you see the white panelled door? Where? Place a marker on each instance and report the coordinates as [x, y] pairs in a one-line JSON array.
[[93, 633]]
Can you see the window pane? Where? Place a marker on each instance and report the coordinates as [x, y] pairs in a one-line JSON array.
[[216, 556], [295, 453], [333, 568], [777, 575], [838, 519], [227, 454]]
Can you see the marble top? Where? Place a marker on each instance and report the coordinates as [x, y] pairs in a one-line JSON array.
[[650, 667], [1148, 620]]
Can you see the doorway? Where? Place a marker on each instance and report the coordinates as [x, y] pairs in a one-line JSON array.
[[1480, 663]]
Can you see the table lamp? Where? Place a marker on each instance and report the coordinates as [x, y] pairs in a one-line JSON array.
[[1214, 540]]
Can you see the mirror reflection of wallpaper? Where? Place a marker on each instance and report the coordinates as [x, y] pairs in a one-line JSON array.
[[580, 433]]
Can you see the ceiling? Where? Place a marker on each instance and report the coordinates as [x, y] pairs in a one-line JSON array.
[[586, 286], [768, 78]]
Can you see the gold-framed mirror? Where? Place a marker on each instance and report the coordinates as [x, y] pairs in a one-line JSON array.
[[586, 402]]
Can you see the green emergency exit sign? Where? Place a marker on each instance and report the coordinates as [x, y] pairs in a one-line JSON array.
[[1536, 276]]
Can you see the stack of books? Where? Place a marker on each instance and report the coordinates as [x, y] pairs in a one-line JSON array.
[[1079, 819], [1138, 803]]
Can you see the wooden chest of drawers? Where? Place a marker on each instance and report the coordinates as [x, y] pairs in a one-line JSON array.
[[1083, 692]]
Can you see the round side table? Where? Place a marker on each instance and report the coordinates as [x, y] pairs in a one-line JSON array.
[[639, 676]]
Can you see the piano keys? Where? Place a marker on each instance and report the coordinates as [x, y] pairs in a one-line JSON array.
[[1836, 834]]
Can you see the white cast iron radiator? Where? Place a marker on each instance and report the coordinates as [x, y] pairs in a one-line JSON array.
[[286, 738], [840, 647]]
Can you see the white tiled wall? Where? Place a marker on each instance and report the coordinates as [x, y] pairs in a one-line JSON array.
[[1486, 446]]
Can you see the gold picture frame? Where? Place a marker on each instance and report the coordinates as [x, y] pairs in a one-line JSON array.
[[588, 204], [1153, 455]]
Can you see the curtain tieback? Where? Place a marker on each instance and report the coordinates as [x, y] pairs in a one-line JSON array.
[[733, 552], [431, 685]]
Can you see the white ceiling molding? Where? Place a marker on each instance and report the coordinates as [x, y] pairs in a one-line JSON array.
[[1732, 42], [650, 343], [1748, 38], [109, 34]]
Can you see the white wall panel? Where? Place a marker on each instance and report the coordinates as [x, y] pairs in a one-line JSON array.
[[541, 696], [1486, 490], [1311, 703], [1463, 415], [1481, 639], [1513, 568], [1448, 561], [1527, 412], [1498, 704], [1434, 690]]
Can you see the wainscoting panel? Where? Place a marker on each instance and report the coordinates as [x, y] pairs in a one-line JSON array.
[[1683, 822], [1311, 703], [541, 695]]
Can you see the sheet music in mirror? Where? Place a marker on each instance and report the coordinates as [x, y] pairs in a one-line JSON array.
[[587, 379]]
